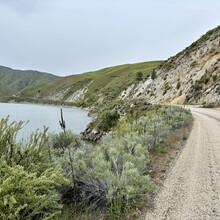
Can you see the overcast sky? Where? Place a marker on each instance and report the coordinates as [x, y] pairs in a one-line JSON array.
[[74, 36]]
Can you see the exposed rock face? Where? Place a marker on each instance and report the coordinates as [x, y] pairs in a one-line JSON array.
[[57, 96], [78, 95], [91, 134], [67, 95], [192, 75]]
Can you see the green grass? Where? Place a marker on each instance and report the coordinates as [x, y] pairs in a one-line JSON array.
[[108, 83], [5, 91]]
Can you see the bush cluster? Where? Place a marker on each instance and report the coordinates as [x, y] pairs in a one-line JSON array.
[[107, 120], [113, 176], [30, 182], [40, 177], [156, 127]]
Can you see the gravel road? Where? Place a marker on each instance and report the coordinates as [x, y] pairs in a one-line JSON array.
[[191, 190]]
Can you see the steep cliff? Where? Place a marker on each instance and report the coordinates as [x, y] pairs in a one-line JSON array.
[[192, 76]]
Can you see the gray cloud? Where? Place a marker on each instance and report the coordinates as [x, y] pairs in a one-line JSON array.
[[67, 36]]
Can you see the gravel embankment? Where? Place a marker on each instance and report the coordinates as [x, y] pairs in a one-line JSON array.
[[192, 188]]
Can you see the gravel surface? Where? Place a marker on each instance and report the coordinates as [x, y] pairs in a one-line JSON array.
[[192, 188]]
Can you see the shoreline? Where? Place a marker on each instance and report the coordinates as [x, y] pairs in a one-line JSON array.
[[47, 114], [50, 103]]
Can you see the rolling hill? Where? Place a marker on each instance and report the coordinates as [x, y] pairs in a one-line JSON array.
[[192, 76], [5, 91], [14, 81], [92, 88]]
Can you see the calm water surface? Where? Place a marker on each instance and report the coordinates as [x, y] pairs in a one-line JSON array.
[[45, 115]]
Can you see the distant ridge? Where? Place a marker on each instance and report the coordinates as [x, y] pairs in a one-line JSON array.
[[14, 81]]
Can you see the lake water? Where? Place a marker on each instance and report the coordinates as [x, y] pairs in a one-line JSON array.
[[39, 116]]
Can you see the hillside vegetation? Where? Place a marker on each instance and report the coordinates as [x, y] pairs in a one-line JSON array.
[[61, 176], [14, 81], [192, 76], [72, 177], [5, 91], [92, 88]]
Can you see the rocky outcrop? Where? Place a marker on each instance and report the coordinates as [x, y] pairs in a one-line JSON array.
[[57, 96], [78, 95], [69, 94], [92, 134], [191, 76]]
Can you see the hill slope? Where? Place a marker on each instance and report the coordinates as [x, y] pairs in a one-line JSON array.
[[93, 88], [192, 76], [13, 81], [5, 91]]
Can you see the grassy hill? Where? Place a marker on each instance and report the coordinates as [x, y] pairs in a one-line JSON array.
[[92, 88], [13, 81], [191, 76], [5, 91]]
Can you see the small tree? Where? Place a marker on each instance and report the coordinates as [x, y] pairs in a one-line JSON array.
[[139, 76], [153, 75], [108, 120]]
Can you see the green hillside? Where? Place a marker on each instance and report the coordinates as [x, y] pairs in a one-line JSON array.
[[13, 81], [99, 86], [5, 91]]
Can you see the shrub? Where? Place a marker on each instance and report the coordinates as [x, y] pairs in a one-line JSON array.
[[139, 76], [178, 85], [65, 139], [108, 120], [117, 169], [113, 176], [156, 129], [214, 78], [168, 65], [27, 195], [29, 181], [153, 75], [193, 64], [162, 149], [124, 127]]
